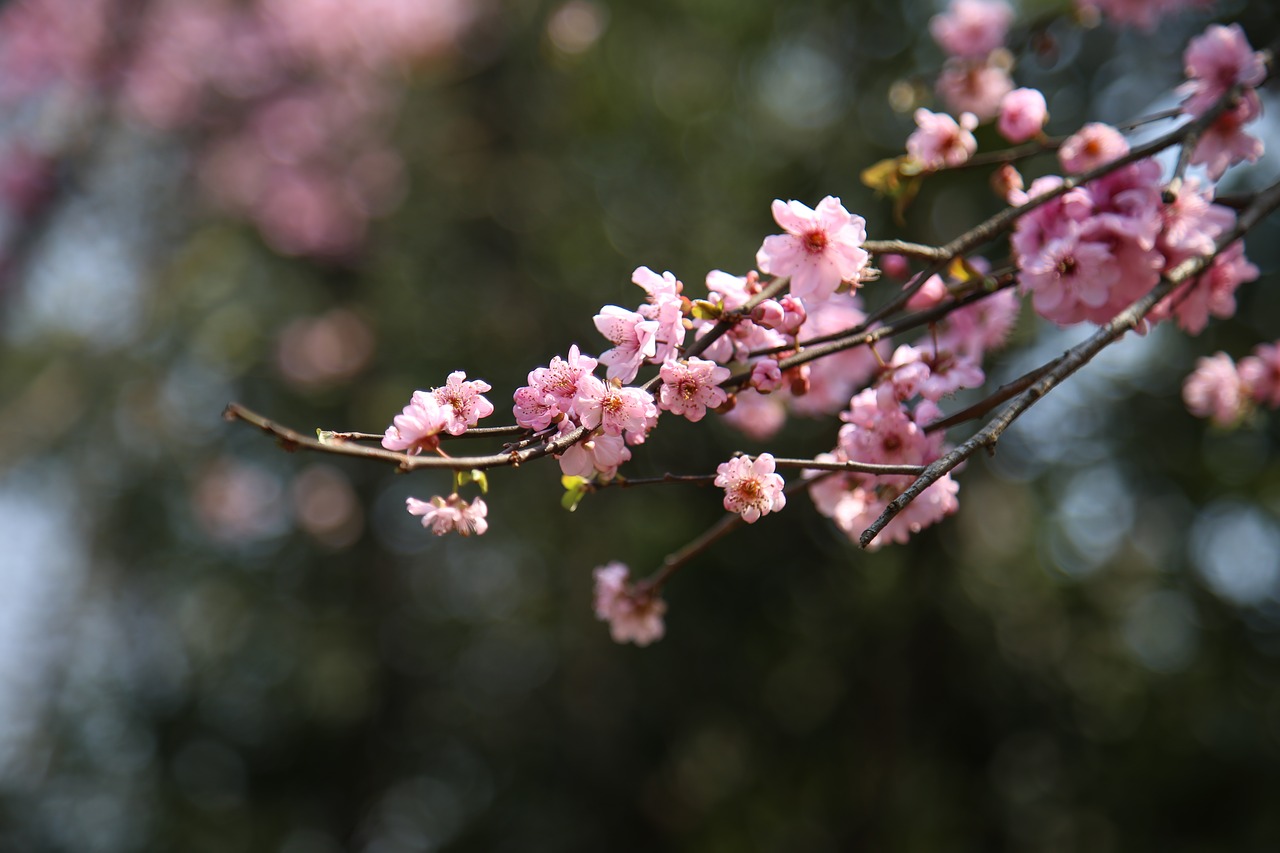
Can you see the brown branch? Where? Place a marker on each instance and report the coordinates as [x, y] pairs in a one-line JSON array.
[[1074, 359], [292, 440]]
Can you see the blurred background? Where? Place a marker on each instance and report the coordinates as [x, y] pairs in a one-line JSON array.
[[315, 207]]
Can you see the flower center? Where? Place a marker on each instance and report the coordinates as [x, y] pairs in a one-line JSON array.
[[815, 241]]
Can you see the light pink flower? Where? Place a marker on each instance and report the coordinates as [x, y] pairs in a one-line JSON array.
[[1214, 390], [634, 338], [1210, 293], [751, 488], [612, 408], [634, 615], [1224, 143], [978, 87], [1216, 60], [821, 248], [1023, 113], [690, 388], [1260, 374], [766, 376], [972, 28], [534, 409], [939, 141], [462, 402], [1091, 146], [417, 427], [665, 308], [444, 515]]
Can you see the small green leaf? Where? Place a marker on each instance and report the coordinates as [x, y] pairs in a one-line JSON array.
[[477, 476], [704, 310], [575, 489], [324, 436]]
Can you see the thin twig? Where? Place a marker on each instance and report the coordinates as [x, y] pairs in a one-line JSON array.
[[292, 440]]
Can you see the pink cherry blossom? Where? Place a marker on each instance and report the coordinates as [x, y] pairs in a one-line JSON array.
[[634, 338], [1216, 60], [1260, 375], [1091, 146], [634, 614], [445, 515], [821, 248], [417, 427], [972, 28], [751, 488], [613, 408], [1023, 113], [665, 308], [1210, 293], [462, 402], [1225, 143], [1214, 390], [551, 390], [939, 141], [766, 376], [691, 387], [966, 86]]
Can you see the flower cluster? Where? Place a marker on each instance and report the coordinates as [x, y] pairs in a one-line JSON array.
[[1084, 255], [1225, 392]]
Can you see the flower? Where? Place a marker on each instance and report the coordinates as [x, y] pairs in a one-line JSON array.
[[1214, 390], [1216, 60], [971, 28], [416, 428], [821, 248], [462, 403], [939, 141], [1091, 146], [444, 515], [1023, 113], [751, 488], [634, 615], [691, 387]]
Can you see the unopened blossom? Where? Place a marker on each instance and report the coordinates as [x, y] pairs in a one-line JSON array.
[[751, 488], [445, 515], [1006, 183], [972, 28], [418, 427], [613, 408], [691, 387], [462, 402], [940, 141], [634, 338], [634, 615], [977, 87], [1093, 145], [1216, 60], [1214, 390], [821, 249], [1260, 374], [766, 376], [1023, 113], [785, 315]]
